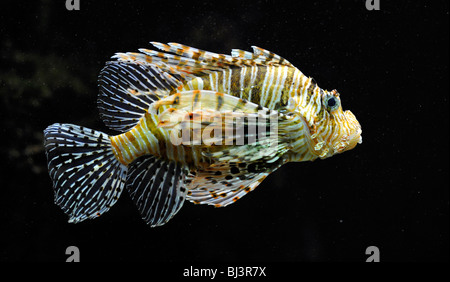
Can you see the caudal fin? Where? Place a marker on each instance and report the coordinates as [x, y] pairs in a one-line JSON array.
[[87, 177]]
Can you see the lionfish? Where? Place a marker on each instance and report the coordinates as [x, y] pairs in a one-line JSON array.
[[141, 94]]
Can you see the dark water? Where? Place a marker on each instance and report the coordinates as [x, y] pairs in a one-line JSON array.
[[390, 66]]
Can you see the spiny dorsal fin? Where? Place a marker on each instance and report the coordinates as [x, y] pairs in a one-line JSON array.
[[260, 56], [201, 57], [237, 53], [127, 90], [189, 62], [267, 57], [156, 187]]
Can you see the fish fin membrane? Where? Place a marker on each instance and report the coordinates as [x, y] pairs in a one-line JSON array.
[[207, 100], [265, 150], [223, 185], [229, 128], [212, 111], [87, 178], [238, 57], [128, 89], [157, 188], [188, 62]]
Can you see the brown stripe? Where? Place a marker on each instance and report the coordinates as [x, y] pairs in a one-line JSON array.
[[259, 80], [219, 97]]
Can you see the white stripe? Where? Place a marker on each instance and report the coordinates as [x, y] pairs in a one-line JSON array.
[[304, 94], [148, 135], [145, 133], [241, 81], [276, 97], [229, 81], [300, 90], [142, 147], [266, 84], [211, 81], [276, 87], [216, 79], [156, 143], [254, 71], [296, 82], [224, 81], [200, 83], [122, 143]]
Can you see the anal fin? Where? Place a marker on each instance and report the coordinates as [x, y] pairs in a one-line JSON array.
[[156, 187]]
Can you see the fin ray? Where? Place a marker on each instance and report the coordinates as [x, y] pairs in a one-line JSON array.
[[87, 178], [156, 187], [222, 186], [189, 62], [127, 90]]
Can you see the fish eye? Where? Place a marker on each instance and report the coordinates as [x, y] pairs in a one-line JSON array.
[[331, 102]]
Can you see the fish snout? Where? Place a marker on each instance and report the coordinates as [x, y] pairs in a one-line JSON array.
[[355, 131]]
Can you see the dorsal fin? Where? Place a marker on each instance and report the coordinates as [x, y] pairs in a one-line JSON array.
[[237, 53], [268, 57], [189, 62], [128, 86], [127, 90], [261, 57]]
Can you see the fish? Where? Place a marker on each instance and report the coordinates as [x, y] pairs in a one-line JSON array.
[[262, 111]]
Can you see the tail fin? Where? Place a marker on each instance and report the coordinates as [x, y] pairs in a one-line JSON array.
[[87, 177]]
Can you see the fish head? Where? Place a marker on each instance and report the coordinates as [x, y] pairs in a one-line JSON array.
[[331, 129]]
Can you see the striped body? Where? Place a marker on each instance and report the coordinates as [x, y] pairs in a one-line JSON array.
[[147, 138], [268, 86]]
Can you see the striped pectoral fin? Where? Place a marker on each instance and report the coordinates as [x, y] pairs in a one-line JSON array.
[[205, 100], [200, 109], [254, 138], [156, 187], [223, 185], [194, 119]]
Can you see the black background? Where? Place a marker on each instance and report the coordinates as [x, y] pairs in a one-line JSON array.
[[390, 66]]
